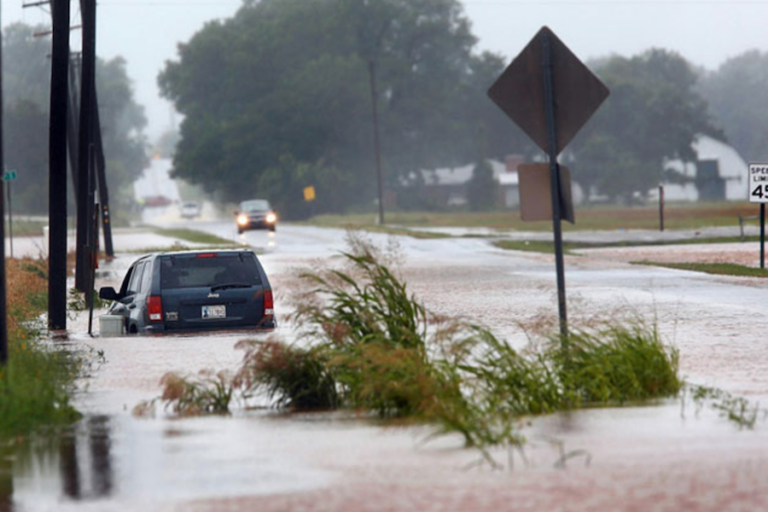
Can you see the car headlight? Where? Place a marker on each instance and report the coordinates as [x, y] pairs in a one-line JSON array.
[[242, 220], [271, 217]]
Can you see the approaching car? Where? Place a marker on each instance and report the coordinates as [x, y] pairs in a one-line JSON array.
[[255, 214], [181, 291], [189, 210]]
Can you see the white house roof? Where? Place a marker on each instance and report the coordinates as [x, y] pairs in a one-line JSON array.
[[731, 167], [461, 175]]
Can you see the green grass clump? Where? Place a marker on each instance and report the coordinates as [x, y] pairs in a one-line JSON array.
[[209, 393], [739, 410], [373, 335], [617, 364], [367, 344], [388, 354], [291, 376], [37, 382], [719, 269]]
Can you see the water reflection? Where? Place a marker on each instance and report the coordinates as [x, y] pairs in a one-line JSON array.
[[6, 481], [262, 241], [78, 463]]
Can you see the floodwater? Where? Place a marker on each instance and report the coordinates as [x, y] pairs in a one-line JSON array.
[[668, 456]]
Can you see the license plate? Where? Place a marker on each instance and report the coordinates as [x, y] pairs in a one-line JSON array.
[[214, 312]]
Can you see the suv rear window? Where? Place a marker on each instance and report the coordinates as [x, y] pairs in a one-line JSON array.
[[196, 271]]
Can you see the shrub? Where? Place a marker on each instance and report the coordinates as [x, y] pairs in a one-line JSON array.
[[36, 384], [208, 393], [291, 376], [616, 364], [371, 346]]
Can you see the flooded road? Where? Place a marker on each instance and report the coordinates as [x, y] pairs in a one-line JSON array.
[[662, 457]]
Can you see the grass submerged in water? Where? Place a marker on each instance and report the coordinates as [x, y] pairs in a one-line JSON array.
[[368, 345], [36, 384]]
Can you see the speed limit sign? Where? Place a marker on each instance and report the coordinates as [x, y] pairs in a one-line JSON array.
[[758, 183]]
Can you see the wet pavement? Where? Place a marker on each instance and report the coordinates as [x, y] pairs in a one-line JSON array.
[[661, 457]]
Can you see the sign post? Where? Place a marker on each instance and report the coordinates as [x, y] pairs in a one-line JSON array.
[[758, 193], [549, 93], [8, 177], [661, 207]]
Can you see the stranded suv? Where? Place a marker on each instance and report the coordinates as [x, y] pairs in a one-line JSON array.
[[185, 291]]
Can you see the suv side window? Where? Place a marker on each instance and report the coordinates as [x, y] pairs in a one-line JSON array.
[[146, 282], [133, 286]]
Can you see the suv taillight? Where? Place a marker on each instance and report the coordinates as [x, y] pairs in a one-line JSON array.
[[269, 304], [155, 308]]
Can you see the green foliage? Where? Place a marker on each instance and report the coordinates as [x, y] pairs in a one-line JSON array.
[[277, 98], [35, 388], [388, 355], [291, 376], [482, 188], [738, 93], [26, 77], [369, 345], [617, 364], [77, 301], [36, 384], [375, 308], [736, 409], [652, 115], [207, 394]]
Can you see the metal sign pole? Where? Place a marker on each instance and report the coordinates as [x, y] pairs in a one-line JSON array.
[[10, 218], [762, 235], [661, 207], [377, 145], [554, 170]]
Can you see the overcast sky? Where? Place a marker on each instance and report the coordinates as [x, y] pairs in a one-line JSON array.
[[707, 33]]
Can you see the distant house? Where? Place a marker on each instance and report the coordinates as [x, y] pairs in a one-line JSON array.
[[448, 186], [719, 174]]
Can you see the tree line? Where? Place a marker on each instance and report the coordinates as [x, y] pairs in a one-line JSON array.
[[277, 98], [26, 81]]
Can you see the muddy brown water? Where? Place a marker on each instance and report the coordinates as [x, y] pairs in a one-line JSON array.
[[662, 457]]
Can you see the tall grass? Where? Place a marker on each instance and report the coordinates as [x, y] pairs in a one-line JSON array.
[[36, 384], [368, 344], [617, 364], [291, 376]]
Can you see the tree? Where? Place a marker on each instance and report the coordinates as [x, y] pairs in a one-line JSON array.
[[482, 188], [652, 116], [738, 95], [26, 78], [287, 81], [122, 125], [26, 132]]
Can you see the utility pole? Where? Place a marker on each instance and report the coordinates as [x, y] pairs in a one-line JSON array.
[[3, 287], [85, 142], [57, 213], [101, 172], [72, 121], [377, 148]]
